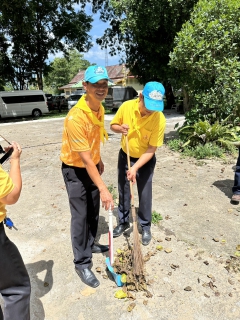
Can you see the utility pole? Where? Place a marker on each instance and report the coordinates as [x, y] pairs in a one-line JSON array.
[[106, 57], [124, 80]]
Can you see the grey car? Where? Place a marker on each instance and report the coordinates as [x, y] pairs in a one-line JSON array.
[[73, 99]]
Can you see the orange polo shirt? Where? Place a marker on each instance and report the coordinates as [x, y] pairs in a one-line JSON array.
[[80, 134]]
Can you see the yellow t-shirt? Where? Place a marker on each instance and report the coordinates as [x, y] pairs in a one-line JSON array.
[[81, 134], [143, 131], [6, 186]]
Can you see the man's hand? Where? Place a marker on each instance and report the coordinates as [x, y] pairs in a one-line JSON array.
[[124, 129], [117, 128], [131, 174], [106, 198]]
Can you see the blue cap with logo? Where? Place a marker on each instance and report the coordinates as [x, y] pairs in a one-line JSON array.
[[153, 93], [95, 73]]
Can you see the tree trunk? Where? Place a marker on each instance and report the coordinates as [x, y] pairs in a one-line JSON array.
[[169, 96], [40, 80], [186, 100]]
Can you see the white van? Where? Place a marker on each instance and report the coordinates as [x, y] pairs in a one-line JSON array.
[[22, 103]]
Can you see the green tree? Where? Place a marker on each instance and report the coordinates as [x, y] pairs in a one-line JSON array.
[[64, 69], [76, 63], [6, 71], [206, 55], [37, 28], [145, 31]]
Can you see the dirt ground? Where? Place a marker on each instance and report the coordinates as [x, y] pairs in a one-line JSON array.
[[199, 232]]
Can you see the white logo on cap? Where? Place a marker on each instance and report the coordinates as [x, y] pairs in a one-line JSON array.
[[99, 70], [155, 95]]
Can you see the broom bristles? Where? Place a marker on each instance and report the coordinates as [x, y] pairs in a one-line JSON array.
[[138, 263], [138, 267]]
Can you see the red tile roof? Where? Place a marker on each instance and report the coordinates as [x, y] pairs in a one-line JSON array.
[[115, 73]]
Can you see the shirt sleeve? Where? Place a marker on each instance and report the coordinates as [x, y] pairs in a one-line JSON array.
[[6, 184], [118, 118]]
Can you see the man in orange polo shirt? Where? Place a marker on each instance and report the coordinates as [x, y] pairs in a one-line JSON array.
[[82, 168], [144, 124]]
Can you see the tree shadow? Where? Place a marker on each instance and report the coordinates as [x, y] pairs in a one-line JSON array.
[[39, 287]]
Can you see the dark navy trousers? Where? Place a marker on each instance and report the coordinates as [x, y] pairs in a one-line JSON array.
[[15, 285], [144, 186], [84, 201], [236, 186]]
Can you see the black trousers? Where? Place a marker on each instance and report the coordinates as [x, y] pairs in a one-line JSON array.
[[236, 186], [15, 285], [144, 186], [84, 201]]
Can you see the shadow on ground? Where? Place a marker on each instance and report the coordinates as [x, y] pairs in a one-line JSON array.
[[40, 287], [225, 186]]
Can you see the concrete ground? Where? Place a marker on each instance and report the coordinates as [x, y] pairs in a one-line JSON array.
[[188, 279]]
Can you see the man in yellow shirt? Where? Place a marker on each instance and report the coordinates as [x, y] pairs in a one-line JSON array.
[[142, 121], [82, 168], [14, 280]]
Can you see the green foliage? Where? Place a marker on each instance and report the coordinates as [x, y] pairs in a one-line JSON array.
[[201, 151], [203, 140], [203, 132], [156, 217], [64, 69], [175, 144], [206, 55], [6, 71], [209, 150], [37, 29], [145, 31]]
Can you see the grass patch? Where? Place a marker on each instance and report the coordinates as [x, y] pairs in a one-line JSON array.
[[54, 114], [206, 151], [156, 217], [174, 144]]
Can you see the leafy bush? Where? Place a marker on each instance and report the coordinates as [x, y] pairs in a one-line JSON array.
[[206, 57], [208, 150], [203, 132]]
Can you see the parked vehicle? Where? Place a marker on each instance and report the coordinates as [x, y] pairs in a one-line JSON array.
[[63, 102], [57, 103], [49, 100], [22, 103], [117, 95], [74, 97]]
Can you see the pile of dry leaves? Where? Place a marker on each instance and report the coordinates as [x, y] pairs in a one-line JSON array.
[[123, 265]]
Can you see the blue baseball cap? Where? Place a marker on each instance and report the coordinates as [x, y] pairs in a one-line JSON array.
[[153, 93], [95, 73]]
